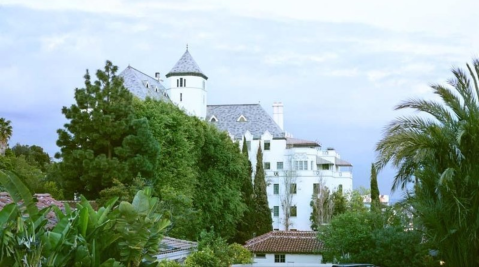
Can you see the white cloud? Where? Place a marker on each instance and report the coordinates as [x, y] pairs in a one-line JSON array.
[[351, 72], [293, 58]]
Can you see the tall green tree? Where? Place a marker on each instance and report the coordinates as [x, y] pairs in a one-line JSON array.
[[221, 174], [263, 220], [437, 153], [375, 203], [103, 142], [245, 228], [5, 134], [340, 201]]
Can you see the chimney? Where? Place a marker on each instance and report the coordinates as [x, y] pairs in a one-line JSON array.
[[278, 114], [157, 76]]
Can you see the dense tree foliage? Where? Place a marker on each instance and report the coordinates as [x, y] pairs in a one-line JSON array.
[[375, 202], [437, 153], [340, 201], [34, 155], [32, 166], [222, 169], [245, 228], [263, 220], [5, 134], [103, 142], [372, 237], [200, 172]]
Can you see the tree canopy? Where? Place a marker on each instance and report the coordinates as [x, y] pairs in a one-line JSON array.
[[103, 141], [5, 134], [436, 156], [263, 220]]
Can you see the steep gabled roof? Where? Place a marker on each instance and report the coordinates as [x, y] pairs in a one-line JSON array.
[[294, 242], [186, 66], [257, 123], [142, 85]]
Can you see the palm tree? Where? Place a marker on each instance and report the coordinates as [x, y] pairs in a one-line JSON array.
[[5, 134], [437, 157]]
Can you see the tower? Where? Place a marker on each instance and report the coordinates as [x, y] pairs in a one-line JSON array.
[[188, 86]]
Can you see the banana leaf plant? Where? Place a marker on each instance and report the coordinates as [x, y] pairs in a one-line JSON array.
[[124, 234]]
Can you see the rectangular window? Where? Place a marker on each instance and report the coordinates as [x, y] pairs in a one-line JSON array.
[[279, 165], [276, 211], [267, 165], [292, 188], [181, 96], [177, 82], [181, 82], [276, 189], [292, 211], [267, 145], [301, 165], [279, 258], [312, 165], [315, 189], [184, 82], [325, 167]]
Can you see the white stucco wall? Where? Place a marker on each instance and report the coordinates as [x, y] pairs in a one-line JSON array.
[[192, 98], [290, 258], [304, 179]]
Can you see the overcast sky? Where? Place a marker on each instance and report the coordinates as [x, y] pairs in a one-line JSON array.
[[339, 67]]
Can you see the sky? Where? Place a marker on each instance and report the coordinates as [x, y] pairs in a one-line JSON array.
[[339, 67]]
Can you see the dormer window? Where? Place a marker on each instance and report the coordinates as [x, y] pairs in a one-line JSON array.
[[146, 84], [242, 119], [213, 119]]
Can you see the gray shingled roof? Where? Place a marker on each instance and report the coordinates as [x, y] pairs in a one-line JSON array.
[[186, 66], [295, 142], [257, 120], [340, 162], [142, 85]]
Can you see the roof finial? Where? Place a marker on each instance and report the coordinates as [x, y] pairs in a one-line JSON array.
[[187, 47]]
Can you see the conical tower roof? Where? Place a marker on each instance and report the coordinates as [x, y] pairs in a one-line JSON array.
[[186, 66]]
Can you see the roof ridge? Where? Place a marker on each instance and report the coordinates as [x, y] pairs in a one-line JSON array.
[[130, 67], [234, 105]]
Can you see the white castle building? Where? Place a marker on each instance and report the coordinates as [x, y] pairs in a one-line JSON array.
[[295, 168]]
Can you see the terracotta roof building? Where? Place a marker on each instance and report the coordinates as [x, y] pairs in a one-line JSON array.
[[44, 200], [286, 246]]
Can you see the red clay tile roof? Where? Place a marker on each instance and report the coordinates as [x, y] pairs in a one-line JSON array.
[[294, 242], [44, 200]]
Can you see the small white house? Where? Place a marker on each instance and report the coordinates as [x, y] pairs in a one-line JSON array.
[[291, 247]]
